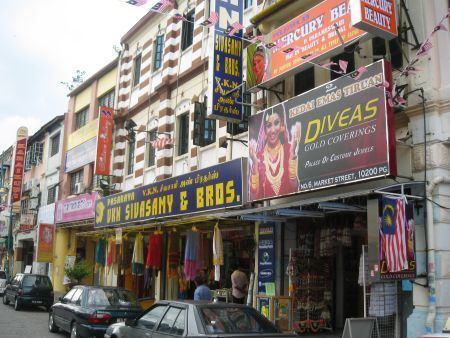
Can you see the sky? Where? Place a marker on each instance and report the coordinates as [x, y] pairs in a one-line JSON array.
[[44, 43]]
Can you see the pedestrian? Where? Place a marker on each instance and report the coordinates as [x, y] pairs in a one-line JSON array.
[[202, 292], [239, 284]]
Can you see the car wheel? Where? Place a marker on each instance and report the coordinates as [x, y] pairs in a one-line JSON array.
[[5, 300], [17, 304], [51, 323], [73, 331]]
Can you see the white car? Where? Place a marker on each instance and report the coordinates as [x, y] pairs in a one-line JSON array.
[[2, 282]]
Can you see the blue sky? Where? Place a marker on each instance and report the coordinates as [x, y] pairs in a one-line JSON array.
[[43, 43]]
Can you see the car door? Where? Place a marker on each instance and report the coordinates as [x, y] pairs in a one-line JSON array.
[[9, 288], [15, 286], [144, 325], [60, 313], [173, 324]]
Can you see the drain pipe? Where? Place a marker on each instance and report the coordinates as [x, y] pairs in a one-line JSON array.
[[431, 255]]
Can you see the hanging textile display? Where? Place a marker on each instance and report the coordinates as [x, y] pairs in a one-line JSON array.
[[155, 249], [100, 254], [217, 252], [111, 256], [191, 255], [138, 256], [174, 255]]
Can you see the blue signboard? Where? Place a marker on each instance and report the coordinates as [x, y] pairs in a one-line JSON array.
[[225, 62], [266, 256], [216, 187]]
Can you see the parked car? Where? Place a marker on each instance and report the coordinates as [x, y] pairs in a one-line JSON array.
[[29, 289], [2, 282], [196, 319], [87, 311]]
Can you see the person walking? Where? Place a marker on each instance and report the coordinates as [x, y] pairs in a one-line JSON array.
[[202, 291]]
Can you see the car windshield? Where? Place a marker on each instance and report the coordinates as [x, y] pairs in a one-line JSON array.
[[111, 297], [2, 275], [235, 320], [37, 281]]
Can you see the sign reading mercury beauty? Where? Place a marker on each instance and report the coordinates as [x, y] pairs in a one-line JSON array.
[[225, 62], [216, 187], [338, 133]]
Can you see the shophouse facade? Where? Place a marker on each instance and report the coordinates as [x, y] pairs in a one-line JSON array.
[[6, 161]]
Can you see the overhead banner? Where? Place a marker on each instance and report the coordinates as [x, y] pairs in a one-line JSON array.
[[75, 208], [19, 162], [225, 62], [338, 133], [105, 129], [308, 37], [216, 187], [45, 243], [377, 17], [80, 155]]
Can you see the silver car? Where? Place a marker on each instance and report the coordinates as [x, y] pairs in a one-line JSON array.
[[2, 283]]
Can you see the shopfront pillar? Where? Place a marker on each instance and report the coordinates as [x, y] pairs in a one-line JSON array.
[[62, 249]]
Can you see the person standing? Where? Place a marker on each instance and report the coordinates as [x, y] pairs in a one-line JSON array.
[[239, 284], [202, 291]]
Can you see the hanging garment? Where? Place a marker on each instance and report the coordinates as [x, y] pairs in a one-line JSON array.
[[191, 254], [111, 256], [100, 252], [138, 256], [200, 262], [154, 253], [173, 257], [147, 279], [217, 252]]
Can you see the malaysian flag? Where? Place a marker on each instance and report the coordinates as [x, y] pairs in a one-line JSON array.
[[424, 48], [160, 143], [234, 28], [161, 6], [212, 20], [393, 234], [136, 2]]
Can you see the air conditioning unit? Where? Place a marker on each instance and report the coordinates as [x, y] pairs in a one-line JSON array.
[[34, 203], [79, 188]]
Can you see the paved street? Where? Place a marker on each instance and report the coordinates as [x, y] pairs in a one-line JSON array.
[[28, 322]]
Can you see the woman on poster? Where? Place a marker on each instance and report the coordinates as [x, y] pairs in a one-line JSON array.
[[273, 168]]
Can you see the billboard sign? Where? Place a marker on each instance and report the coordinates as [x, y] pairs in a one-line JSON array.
[[45, 243], [338, 133], [216, 187], [19, 162], [308, 37], [225, 63], [105, 129], [375, 17], [80, 155], [266, 257], [75, 208]]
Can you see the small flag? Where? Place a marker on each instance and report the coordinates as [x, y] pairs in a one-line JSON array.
[[160, 143], [178, 16], [259, 38], [343, 65], [234, 28], [211, 21], [438, 28], [270, 45], [308, 57], [290, 50], [329, 64], [136, 2], [424, 48], [357, 75], [161, 6]]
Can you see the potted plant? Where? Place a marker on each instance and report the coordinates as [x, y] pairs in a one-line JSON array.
[[77, 272]]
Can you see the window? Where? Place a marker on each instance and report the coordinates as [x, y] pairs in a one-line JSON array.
[[169, 319], [51, 195], [54, 145], [24, 206], [81, 118], [183, 134], [242, 127], [107, 100], [204, 128], [248, 3], [178, 327], [379, 51], [151, 152], [158, 52], [349, 56], [137, 70], [69, 295], [152, 317], [76, 298], [130, 158], [304, 81], [76, 177], [187, 30]]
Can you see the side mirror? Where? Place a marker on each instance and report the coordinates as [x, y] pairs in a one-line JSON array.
[[60, 298], [130, 321]]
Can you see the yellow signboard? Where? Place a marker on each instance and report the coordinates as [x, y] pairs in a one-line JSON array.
[[83, 134]]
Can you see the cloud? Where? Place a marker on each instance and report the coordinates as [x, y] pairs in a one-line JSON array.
[[10, 124]]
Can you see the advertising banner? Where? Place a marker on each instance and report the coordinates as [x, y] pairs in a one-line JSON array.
[[266, 257], [80, 155], [216, 187], [75, 208], [45, 243], [308, 37], [225, 62], [105, 129], [19, 162], [85, 133], [335, 134], [375, 17]]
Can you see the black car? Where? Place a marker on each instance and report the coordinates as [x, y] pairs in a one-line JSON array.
[[29, 289], [196, 319], [87, 311]]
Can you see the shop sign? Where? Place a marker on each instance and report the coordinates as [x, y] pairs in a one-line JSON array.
[[266, 257], [75, 208], [212, 188], [85, 133], [308, 37], [19, 162], [338, 133], [26, 222], [105, 129], [45, 243], [26, 227], [377, 17], [80, 155], [225, 63]]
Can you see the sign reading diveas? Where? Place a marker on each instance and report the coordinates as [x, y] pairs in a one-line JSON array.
[[216, 187], [225, 63], [307, 37], [338, 133]]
